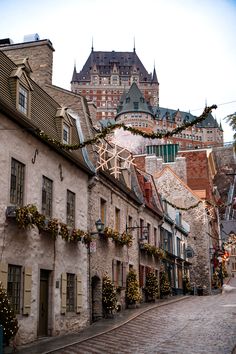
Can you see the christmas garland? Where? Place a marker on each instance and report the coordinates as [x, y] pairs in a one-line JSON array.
[[120, 239], [28, 216], [153, 250], [108, 130], [196, 205]]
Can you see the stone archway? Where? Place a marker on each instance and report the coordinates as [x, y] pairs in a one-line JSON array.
[[96, 298]]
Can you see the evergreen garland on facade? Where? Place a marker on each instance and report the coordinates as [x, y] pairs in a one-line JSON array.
[[164, 284], [151, 286], [7, 318], [132, 292], [109, 299]]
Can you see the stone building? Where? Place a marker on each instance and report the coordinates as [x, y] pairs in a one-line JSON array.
[[191, 209], [105, 75], [45, 275], [121, 202], [106, 79]]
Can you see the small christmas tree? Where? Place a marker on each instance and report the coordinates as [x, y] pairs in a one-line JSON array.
[[132, 293], [151, 286], [164, 284], [109, 299], [7, 318]]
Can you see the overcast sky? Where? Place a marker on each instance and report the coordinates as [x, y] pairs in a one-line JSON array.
[[191, 42]]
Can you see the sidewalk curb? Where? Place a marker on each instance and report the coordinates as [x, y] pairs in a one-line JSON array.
[[120, 324]]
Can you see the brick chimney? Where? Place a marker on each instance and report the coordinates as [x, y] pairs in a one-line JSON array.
[[40, 55]]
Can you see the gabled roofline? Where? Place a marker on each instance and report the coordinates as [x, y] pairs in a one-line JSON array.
[[167, 168]]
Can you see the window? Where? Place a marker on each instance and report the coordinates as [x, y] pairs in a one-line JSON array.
[[233, 250], [178, 246], [119, 273], [103, 211], [70, 209], [148, 232], [17, 182], [234, 266], [66, 134], [70, 293], [136, 105], [47, 197], [178, 218], [155, 237], [14, 287], [117, 219], [23, 100]]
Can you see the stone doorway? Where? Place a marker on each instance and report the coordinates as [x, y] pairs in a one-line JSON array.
[[96, 298]]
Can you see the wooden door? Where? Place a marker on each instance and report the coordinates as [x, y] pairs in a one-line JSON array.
[[43, 303]]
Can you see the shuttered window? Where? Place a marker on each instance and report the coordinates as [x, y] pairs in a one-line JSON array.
[[17, 182], [119, 271], [27, 291], [14, 287], [70, 293], [3, 275], [78, 293]]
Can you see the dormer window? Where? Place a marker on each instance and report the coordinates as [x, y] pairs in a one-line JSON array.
[[23, 100], [66, 134]]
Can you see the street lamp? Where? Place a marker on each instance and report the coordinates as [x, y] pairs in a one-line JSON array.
[[144, 231], [99, 226]]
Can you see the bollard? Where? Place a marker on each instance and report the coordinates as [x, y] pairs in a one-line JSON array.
[[1, 339]]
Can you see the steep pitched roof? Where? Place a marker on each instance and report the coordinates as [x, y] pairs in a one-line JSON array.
[[154, 77], [133, 101], [43, 115], [167, 173], [104, 61], [169, 114]]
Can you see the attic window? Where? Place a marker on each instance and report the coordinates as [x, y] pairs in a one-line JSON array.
[[23, 99], [66, 134], [136, 105]]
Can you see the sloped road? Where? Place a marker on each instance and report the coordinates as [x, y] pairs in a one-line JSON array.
[[194, 326]]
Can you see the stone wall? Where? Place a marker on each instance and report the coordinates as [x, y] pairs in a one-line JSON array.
[[28, 248], [176, 192]]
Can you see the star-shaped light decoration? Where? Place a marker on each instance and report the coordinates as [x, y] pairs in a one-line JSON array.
[[113, 154]]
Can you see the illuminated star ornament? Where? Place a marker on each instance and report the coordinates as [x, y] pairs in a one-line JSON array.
[[111, 159], [205, 213]]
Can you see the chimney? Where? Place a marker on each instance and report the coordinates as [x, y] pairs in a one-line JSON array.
[[39, 54]]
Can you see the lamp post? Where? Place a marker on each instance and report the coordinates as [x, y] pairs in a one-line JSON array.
[[100, 228]]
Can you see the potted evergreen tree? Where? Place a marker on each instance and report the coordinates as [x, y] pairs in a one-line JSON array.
[[164, 285], [132, 293], [8, 319], [109, 299], [151, 287]]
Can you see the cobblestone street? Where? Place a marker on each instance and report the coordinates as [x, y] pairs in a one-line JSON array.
[[194, 326]]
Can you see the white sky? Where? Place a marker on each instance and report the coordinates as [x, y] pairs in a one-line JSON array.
[[192, 42]]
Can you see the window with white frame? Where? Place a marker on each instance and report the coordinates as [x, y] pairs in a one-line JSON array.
[[23, 98], [66, 134]]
